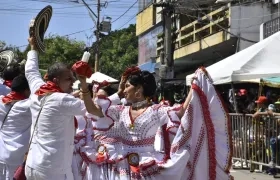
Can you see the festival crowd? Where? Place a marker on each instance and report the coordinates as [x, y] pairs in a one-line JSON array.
[[49, 132]]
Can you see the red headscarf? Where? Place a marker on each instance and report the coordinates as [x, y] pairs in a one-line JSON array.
[[8, 83], [47, 88], [12, 96], [131, 71]]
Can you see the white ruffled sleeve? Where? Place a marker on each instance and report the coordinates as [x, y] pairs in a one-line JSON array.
[[115, 99], [109, 110], [167, 115]]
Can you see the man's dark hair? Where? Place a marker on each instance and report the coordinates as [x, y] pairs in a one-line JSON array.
[[56, 70], [109, 90], [11, 71], [20, 84]]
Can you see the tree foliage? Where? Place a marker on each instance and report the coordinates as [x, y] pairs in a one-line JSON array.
[[2, 45], [118, 51], [59, 49]]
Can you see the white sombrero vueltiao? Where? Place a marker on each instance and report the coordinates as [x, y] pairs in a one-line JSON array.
[[6, 57], [39, 25]]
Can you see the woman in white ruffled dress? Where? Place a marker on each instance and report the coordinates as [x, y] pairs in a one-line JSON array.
[[141, 145], [84, 165]]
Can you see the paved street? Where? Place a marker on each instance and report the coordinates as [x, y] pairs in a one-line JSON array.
[[246, 175]]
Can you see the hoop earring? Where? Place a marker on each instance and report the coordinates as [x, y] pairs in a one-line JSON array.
[[137, 97]]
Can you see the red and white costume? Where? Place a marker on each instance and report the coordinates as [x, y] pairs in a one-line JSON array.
[[90, 129], [15, 132], [205, 132], [147, 138], [201, 148], [52, 146], [5, 88]]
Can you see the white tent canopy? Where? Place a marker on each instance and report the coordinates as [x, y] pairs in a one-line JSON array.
[[260, 60], [98, 77]]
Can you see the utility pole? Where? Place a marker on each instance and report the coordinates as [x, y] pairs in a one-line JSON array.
[[167, 63], [97, 32], [96, 66]]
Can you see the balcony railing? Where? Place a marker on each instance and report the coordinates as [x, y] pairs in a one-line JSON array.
[[207, 25], [270, 27]]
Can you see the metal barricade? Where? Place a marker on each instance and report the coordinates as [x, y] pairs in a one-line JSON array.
[[256, 141], [239, 140]]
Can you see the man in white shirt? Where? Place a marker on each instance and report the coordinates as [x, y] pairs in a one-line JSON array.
[[11, 71], [15, 122], [51, 151]]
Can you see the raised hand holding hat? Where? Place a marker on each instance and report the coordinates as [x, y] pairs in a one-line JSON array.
[[38, 26]]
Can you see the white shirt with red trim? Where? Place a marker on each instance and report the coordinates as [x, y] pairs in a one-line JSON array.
[[15, 133], [4, 90], [52, 146]]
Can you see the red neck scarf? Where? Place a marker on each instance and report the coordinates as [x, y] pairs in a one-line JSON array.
[[8, 83], [12, 96], [47, 88], [50, 87]]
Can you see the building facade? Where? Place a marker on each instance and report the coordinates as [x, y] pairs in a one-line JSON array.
[[206, 32]]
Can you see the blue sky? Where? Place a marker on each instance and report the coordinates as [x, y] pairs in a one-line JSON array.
[[68, 18]]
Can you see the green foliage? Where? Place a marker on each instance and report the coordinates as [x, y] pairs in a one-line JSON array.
[[60, 49], [118, 51], [2, 45], [43, 72]]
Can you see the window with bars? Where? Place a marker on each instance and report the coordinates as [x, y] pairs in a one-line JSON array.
[[271, 27]]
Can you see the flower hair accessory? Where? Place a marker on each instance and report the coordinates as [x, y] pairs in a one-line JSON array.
[[96, 85], [133, 70]]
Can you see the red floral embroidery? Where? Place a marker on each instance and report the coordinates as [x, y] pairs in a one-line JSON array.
[[210, 132], [187, 135], [113, 140], [192, 163]]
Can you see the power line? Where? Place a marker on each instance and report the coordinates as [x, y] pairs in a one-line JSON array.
[[19, 9], [127, 21], [62, 36], [125, 11]]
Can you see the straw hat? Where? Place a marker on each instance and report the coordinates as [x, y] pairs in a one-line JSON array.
[[39, 26], [6, 57]]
